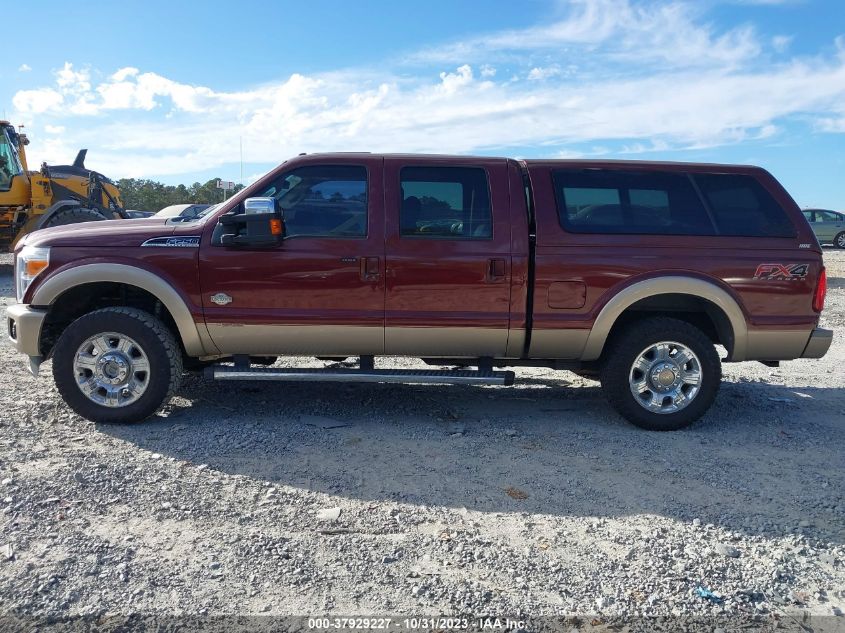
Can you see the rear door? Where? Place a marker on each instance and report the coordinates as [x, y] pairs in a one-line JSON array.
[[448, 252]]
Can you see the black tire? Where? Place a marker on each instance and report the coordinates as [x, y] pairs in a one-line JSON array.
[[74, 215], [627, 346], [156, 340], [839, 240]]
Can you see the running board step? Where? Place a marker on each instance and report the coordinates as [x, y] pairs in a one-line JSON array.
[[443, 377]]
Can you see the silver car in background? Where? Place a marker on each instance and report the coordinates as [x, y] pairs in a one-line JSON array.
[[829, 226]]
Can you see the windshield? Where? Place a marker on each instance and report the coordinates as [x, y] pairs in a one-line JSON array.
[[9, 164]]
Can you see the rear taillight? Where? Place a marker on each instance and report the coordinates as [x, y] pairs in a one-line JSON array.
[[821, 291]]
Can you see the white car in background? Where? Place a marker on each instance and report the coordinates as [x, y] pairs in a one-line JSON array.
[[185, 211]]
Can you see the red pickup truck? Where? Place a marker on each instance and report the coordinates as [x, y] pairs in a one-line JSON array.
[[632, 272]]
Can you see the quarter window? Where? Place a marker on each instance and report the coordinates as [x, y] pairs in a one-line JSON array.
[[323, 201], [593, 201], [445, 203], [742, 207]]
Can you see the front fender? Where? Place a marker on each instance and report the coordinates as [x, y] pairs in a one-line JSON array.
[[54, 286]]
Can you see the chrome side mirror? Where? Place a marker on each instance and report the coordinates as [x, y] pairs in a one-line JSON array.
[[259, 205], [260, 224]]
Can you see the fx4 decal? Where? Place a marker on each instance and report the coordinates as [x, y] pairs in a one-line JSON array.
[[780, 272]]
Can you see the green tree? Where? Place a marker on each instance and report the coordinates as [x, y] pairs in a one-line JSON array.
[[149, 195]]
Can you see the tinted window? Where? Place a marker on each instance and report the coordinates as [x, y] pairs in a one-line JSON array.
[[323, 201], [742, 207], [808, 215], [827, 216], [606, 201], [445, 203]]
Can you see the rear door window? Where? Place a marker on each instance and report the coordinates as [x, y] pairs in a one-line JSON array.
[[615, 201], [445, 203], [742, 207]]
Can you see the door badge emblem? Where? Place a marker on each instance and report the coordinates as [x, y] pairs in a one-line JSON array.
[[221, 299]]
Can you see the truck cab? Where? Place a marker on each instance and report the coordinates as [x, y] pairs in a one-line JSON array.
[[630, 272]]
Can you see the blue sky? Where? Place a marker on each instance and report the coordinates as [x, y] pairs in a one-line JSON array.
[[171, 90]]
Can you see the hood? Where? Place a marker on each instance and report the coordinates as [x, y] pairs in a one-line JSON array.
[[104, 234]]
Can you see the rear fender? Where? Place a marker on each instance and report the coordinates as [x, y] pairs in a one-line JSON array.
[[674, 284]]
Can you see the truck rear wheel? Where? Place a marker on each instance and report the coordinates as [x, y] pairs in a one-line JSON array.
[[117, 365], [73, 216], [661, 374]]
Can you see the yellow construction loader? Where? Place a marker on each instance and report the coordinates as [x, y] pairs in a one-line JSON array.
[[52, 196]]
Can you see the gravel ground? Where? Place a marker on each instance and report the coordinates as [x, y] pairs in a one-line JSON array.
[[353, 499]]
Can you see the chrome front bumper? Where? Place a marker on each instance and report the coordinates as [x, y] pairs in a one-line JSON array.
[[23, 325], [819, 343]]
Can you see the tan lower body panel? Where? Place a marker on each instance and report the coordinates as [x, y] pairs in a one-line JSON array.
[[340, 340], [564, 344], [516, 343], [776, 344], [446, 341], [279, 340]]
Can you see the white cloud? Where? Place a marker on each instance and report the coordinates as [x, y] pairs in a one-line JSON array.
[[72, 81], [452, 82], [601, 77], [781, 42], [37, 101], [538, 73], [24, 68], [661, 32]]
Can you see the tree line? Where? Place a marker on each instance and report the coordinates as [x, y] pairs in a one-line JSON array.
[[149, 195]]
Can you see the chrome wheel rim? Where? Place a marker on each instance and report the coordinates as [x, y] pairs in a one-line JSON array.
[[111, 369], [840, 240], [665, 377]]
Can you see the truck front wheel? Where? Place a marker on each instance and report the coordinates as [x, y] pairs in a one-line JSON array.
[[661, 374], [117, 365]]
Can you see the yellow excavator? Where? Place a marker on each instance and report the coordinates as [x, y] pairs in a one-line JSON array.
[[52, 196]]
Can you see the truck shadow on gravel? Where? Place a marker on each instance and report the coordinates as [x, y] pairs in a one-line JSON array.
[[540, 448]]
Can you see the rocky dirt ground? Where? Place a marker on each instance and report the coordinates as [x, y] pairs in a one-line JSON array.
[[358, 499]]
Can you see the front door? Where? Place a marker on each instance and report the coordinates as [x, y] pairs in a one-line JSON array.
[[448, 251], [322, 290]]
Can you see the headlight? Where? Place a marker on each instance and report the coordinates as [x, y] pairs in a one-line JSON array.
[[31, 262]]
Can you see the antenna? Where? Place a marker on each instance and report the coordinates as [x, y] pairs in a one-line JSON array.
[[241, 141]]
